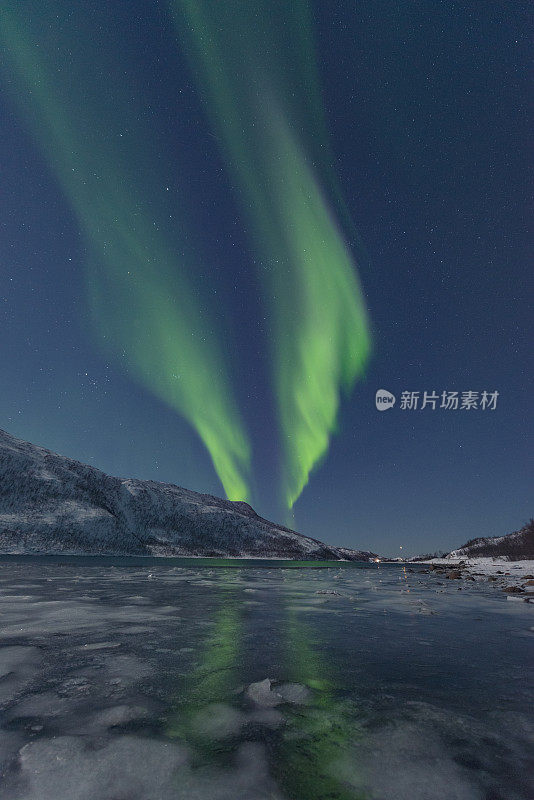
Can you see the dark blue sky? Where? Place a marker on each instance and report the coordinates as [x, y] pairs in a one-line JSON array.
[[429, 111]]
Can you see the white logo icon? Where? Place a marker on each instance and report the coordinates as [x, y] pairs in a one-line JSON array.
[[384, 400]]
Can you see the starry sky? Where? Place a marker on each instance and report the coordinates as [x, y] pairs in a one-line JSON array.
[[225, 227]]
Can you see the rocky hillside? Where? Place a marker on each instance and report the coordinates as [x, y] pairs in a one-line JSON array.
[[52, 504], [516, 546]]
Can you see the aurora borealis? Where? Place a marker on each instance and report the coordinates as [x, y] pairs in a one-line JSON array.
[[308, 278], [257, 64], [138, 288], [227, 225]]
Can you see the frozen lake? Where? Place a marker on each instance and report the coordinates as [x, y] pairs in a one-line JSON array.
[[184, 679]]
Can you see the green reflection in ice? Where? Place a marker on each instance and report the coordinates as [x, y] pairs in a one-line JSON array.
[[317, 753], [213, 681]]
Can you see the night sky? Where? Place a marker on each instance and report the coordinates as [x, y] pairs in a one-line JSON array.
[[225, 226]]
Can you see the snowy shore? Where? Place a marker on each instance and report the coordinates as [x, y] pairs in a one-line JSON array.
[[514, 577]]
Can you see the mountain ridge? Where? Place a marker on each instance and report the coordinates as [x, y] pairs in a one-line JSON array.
[[53, 504], [517, 546]]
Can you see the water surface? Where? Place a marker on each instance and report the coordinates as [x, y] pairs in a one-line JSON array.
[[147, 679]]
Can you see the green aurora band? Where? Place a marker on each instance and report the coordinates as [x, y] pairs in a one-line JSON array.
[[140, 279], [255, 65]]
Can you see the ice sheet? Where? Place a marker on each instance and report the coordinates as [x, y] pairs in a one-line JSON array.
[[384, 682]]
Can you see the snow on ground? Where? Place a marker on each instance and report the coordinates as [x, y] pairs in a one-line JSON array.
[[487, 566], [516, 578]]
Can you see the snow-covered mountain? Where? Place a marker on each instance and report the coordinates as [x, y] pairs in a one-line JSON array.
[[53, 504], [516, 546]]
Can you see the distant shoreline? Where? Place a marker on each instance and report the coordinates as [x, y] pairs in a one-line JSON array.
[[87, 559]]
